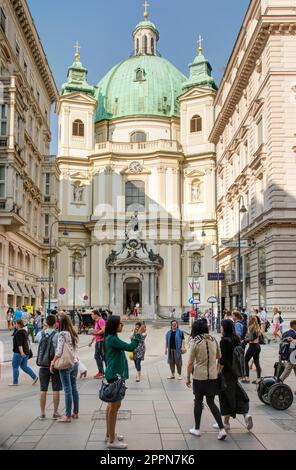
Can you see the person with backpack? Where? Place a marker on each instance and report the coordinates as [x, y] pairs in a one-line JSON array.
[[233, 400], [239, 326], [48, 340], [68, 346]]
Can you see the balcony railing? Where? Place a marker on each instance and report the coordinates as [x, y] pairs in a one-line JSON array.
[[138, 147]]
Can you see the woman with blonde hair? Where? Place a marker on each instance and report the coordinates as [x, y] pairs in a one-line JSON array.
[[276, 323], [68, 376], [254, 349]]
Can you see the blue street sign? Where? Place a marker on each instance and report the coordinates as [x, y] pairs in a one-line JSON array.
[[216, 276]]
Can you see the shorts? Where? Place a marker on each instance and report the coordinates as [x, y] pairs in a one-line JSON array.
[[45, 377]]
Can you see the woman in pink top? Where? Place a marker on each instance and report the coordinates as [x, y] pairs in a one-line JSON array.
[[98, 337]]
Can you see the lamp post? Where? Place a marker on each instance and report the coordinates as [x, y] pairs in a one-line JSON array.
[[65, 233], [241, 210]]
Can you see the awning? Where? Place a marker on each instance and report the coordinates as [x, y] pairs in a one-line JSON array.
[[45, 292], [15, 287], [7, 289], [37, 291], [23, 289], [31, 291]]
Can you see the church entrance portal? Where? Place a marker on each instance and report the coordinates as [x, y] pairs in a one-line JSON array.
[[132, 293]]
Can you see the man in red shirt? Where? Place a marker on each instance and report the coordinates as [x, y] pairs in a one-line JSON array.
[[98, 337]]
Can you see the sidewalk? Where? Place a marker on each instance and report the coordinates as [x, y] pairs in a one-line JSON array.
[[156, 413]]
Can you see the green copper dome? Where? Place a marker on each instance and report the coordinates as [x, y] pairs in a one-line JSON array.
[[145, 85]]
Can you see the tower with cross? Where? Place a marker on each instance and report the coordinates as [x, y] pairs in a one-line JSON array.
[[146, 5], [200, 41], [77, 54]]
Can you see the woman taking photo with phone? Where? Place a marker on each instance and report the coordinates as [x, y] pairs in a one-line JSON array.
[[139, 352], [117, 365]]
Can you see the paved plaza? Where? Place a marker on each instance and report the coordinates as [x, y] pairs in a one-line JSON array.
[[156, 413]]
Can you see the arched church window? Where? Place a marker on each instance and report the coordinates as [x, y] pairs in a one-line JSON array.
[[195, 190], [138, 136], [145, 44], [152, 46], [138, 46], [196, 264], [196, 124], [135, 196], [78, 128]]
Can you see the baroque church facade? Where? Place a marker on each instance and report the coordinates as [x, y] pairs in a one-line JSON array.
[[137, 183]]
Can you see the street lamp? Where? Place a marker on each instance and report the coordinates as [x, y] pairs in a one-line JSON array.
[[241, 210], [65, 233]]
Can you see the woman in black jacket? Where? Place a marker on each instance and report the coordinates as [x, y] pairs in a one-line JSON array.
[[234, 399]]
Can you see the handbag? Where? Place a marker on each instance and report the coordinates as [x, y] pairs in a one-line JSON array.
[[113, 392], [221, 383], [131, 356], [66, 361], [30, 355]]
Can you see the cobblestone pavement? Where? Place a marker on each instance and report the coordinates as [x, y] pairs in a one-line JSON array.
[[156, 413]]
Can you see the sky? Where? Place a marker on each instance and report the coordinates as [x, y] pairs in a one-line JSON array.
[[104, 31]]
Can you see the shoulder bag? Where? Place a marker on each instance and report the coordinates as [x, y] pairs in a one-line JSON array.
[[113, 392], [66, 361]]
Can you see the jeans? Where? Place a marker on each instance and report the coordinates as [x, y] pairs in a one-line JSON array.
[[68, 379], [99, 356], [138, 364], [253, 352], [21, 362]]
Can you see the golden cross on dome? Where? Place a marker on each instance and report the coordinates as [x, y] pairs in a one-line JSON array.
[[146, 5], [77, 54], [200, 41]]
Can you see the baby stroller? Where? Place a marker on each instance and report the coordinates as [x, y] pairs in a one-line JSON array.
[[271, 391]]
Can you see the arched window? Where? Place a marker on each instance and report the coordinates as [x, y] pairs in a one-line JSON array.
[[138, 136], [138, 46], [196, 264], [78, 128], [152, 46], [145, 44], [196, 124], [135, 196]]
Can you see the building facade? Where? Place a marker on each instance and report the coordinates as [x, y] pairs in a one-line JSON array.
[[137, 184], [28, 176], [254, 134]]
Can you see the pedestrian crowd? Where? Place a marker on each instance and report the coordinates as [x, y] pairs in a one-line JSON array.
[[214, 368]]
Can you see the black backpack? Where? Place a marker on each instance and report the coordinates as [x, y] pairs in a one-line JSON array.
[[285, 350], [238, 362], [46, 351]]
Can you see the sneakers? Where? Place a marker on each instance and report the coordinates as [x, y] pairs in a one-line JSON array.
[[56, 416], [42, 417], [249, 422], [35, 381], [118, 438], [195, 432], [99, 375], [13, 385], [222, 435], [116, 445], [171, 377], [226, 426], [180, 377]]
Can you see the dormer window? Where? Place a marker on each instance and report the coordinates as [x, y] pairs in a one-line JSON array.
[[78, 128], [196, 124], [138, 136], [140, 74]]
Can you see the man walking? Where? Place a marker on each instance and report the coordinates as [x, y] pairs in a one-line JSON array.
[[98, 337], [264, 322], [48, 340]]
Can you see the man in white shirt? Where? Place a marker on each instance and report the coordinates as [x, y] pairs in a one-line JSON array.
[[264, 319]]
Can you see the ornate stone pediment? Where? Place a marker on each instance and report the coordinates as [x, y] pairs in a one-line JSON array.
[[78, 176], [196, 92], [193, 173]]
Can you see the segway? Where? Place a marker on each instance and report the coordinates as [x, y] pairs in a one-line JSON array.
[[271, 391]]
